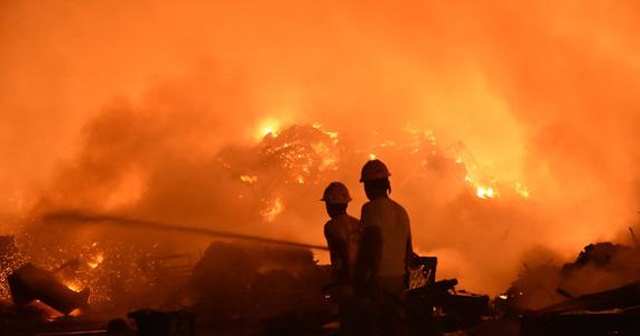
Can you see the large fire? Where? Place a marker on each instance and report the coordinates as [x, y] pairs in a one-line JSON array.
[[235, 116]]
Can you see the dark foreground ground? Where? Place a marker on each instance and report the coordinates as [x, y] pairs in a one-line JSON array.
[[607, 323]]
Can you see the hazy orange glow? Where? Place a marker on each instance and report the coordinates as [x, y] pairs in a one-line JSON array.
[[177, 111]]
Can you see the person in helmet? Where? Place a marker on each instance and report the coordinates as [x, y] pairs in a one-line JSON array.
[[342, 232], [386, 248]]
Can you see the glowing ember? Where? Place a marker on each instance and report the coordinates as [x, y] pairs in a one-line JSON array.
[[96, 261], [74, 285], [522, 190], [332, 135], [273, 210], [250, 179], [300, 152], [328, 159], [483, 192]]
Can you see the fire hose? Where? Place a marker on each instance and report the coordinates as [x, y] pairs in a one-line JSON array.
[[71, 217]]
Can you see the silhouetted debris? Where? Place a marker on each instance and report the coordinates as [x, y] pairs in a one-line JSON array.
[[255, 289], [624, 297], [257, 284], [38, 319], [603, 323], [162, 323], [119, 327], [606, 255], [440, 307], [599, 267], [437, 307], [29, 283], [298, 323], [596, 295]]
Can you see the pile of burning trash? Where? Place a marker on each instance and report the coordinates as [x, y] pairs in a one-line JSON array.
[[251, 284], [597, 294], [275, 290], [233, 286], [265, 289]]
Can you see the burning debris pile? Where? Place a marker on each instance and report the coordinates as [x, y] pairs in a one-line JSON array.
[[241, 286], [238, 189], [164, 97], [120, 273], [301, 159], [250, 284], [288, 162], [30, 283], [250, 188], [127, 267], [597, 294], [599, 267]]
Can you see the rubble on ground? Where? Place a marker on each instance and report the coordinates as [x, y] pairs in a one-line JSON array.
[[262, 289], [597, 294]]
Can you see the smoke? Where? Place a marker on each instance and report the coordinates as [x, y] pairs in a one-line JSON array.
[[129, 108]]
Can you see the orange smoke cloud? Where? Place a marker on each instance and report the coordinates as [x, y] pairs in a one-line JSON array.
[[132, 103]]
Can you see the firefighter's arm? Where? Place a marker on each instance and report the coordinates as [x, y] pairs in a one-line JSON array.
[[337, 251], [331, 244]]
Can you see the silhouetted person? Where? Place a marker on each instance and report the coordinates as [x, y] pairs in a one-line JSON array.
[[342, 232], [386, 251]]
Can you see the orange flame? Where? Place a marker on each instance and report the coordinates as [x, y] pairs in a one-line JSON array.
[[250, 179], [485, 192], [74, 285], [272, 211], [268, 127], [522, 190], [96, 261]]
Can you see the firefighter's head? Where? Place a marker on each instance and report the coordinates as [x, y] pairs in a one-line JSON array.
[[375, 176], [336, 198]]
